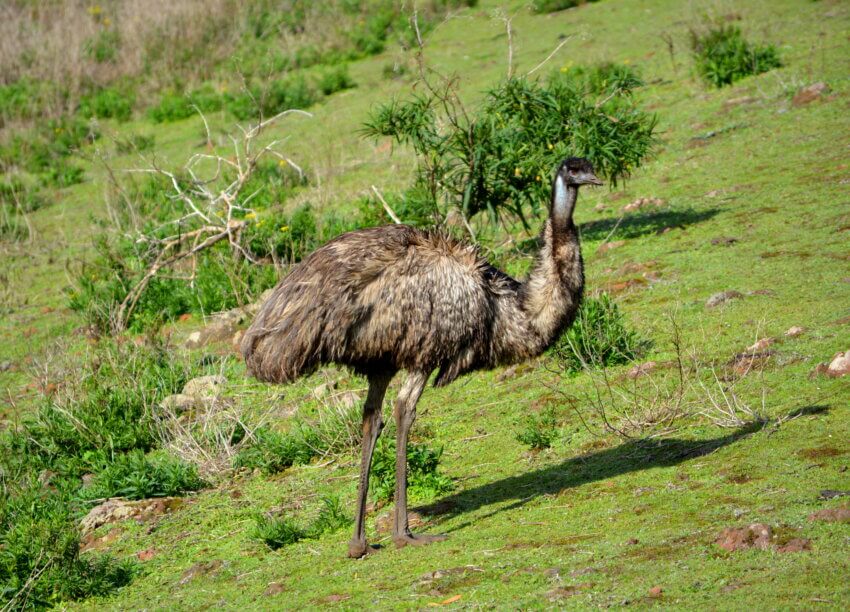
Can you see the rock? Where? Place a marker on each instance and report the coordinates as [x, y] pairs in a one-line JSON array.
[[840, 365], [793, 332], [146, 555], [90, 542], [743, 363], [193, 340], [5, 366], [205, 387], [761, 344], [656, 592], [641, 203], [347, 399], [179, 403], [718, 299], [832, 515], [641, 369], [795, 545], [809, 94], [203, 568], [608, 246], [384, 523], [723, 241], [320, 391], [113, 510], [274, 588], [733, 102], [600, 207], [833, 493], [757, 535], [507, 373]]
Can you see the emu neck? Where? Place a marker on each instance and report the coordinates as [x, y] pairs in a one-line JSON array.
[[552, 293]]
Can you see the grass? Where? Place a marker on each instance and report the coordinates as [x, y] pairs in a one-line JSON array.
[[594, 520]]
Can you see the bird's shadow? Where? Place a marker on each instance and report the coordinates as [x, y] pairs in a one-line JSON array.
[[631, 456], [640, 224]]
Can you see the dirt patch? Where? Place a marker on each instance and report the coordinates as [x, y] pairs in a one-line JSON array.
[[820, 452], [565, 592], [733, 539], [202, 568], [744, 363], [274, 588], [832, 515]]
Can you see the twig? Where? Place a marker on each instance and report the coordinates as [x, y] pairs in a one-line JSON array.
[[550, 56], [386, 206]]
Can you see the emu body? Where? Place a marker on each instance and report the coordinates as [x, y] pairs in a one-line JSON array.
[[392, 298]]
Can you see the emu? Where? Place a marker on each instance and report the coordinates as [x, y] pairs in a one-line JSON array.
[[392, 298]]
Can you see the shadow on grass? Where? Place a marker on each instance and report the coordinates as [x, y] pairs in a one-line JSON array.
[[632, 456], [639, 224]]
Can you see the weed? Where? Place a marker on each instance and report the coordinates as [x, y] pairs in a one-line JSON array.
[[541, 430], [175, 106], [135, 476], [332, 80], [104, 46], [332, 517], [598, 337], [724, 56], [277, 532], [425, 481], [134, 143], [270, 451]]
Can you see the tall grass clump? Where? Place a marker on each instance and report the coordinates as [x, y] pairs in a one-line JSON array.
[[498, 158], [723, 55], [98, 422], [539, 431], [598, 337], [424, 478], [279, 531]]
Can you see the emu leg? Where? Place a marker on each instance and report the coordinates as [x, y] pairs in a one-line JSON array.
[[405, 413], [372, 425]]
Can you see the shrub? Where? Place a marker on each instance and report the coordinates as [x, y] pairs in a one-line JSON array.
[[272, 452], [541, 430], [135, 476], [107, 103], [272, 97], [551, 6], [332, 517], [134, 143], [724, 56], [424, 479], [332, 80], [598, 337], [499, 159], [174, 106]]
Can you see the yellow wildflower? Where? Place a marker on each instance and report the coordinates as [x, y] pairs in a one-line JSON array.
[[284, 228], [95, 10], [517, 172], [107, 21], [251, 215]]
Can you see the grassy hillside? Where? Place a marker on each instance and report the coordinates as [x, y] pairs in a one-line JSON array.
[[753, 188]]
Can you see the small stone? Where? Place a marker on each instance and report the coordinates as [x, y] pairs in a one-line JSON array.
[[347, 399], [507, 373], [723, 241], [757, 535], [274, 588], [178, 403], [321, 390], [795, 331], [839, 366], [608, 246], [761, 344], [600, 207], [656, 592], [205, 386], [809, 94], [641, 369], [193, 341], [722, 297], [5, 366]]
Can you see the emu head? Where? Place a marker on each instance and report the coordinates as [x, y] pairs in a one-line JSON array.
[[572, 172]]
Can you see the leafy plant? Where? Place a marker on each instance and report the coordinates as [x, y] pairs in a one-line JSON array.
[[541, 430], [135, 476], [724, 56], [107, 103], [499, 158], [332, 80], [424, 479], [332, 517], [598, 337]]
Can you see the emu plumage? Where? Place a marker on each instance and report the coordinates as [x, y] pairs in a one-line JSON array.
[[392, 298]]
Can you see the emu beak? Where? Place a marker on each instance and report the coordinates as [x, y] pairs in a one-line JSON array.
[[592, 179]]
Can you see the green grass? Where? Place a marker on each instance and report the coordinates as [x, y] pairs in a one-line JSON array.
[[615, 518]]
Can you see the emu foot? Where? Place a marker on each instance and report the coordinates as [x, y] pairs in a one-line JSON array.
[[417, 539], [360, 548]]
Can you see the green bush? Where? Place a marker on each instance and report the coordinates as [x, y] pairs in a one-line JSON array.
[[135, 476], [598, 337], [26, 98], [272, 97], [332, 80], [499, 158], [424, 479], [550, 6], [134, 143], [107, 103], [174, 106], [540, 431], [724, 56]]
